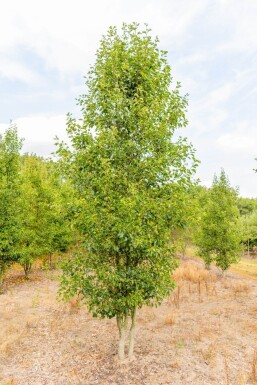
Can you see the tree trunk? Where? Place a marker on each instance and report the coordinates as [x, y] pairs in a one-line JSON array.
[[207, 266], [50, 262], [132, 333], [122, 322], [1, 282], [27, 267]]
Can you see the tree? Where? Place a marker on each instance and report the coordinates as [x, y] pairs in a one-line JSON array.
[[44, 229], [129, 179], [249, 230], [10, 146], [247, 206], [219, 238], [183, 235], [33, 211], [58, 232]]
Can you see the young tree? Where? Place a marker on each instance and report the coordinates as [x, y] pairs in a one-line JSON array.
[[44, 228], [57, 233], [32, 212], [219, 238], [10, 146], [248, 224], [129, 177]]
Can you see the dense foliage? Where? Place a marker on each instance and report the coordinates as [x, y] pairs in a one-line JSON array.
[[34, 206], [10, 189], [219, 236], [130, 178]]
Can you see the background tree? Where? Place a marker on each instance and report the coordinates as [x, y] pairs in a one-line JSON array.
[[58, 232], [183, 235], [33, 211], [10, 146], [219, 237], [129, 179], [248, 224], [44, 227], [247, 206]]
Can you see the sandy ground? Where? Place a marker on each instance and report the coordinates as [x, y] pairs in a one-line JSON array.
[[205, 333]]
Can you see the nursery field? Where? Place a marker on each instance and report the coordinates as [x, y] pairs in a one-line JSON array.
[[205, 333], [246, 267]]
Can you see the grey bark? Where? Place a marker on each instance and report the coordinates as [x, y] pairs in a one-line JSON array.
[[122, 323], [132, 333]]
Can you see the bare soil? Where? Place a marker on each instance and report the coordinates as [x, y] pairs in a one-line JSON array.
[[205, 333]]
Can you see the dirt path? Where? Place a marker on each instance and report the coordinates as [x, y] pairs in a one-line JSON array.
[[203, 335]]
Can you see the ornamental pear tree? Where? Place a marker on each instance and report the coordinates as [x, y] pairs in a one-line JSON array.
[[130, 177], [219, 236], [10, 146]]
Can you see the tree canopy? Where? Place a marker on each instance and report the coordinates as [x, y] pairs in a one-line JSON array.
[[10, 146], [130, 178], [219, 238]]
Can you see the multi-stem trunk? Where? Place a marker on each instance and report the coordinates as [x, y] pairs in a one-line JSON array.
[[51, 265], [122, 323], [27, 267]]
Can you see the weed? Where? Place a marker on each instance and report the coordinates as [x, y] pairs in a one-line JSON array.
[[180, 344]]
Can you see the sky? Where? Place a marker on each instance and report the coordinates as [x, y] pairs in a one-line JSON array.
[[46, 48]]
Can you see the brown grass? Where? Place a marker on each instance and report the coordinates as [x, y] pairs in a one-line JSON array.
[[170, 318], [197, 280], [182, 341], [240, 288]]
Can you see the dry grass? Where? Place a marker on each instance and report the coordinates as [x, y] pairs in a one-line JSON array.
[[195, 279], [170, 318], [183, 341], [246, 267], [240, 288], [209, 354]]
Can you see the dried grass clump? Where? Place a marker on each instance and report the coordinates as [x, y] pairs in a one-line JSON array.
[[240, 288], [170, 318], [197, 279], [11, 341], [210, 354]]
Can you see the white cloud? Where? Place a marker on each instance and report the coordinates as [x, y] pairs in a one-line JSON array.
[[240, 17], [39, 132], [65, 34], [242, 139], [13, 70]]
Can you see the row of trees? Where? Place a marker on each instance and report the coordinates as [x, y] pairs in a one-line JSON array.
[[34, 215], [213, 225]]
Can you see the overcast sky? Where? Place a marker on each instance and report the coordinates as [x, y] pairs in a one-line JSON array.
[[46, 48]]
